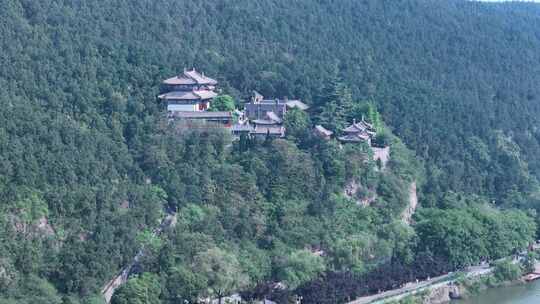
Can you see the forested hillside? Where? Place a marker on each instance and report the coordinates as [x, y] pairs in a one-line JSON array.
[[87, 163]]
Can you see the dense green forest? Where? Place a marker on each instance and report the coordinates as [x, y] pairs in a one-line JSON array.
[[88, 166]]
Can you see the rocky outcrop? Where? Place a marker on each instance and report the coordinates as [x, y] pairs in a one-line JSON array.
[[38, 228], [363, 197], [413, 203], [443, 294]]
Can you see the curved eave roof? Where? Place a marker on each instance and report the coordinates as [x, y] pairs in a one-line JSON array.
[[190, 95]]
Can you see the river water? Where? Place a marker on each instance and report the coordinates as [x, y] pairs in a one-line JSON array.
[[519, 294]]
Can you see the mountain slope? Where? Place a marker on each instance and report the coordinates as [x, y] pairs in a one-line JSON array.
[[81, 139]]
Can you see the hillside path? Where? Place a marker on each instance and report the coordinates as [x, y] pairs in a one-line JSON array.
[[108, 290]]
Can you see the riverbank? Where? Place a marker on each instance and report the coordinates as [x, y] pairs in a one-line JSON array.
[[506, 275], [459, 291], [526, 293], [467, 283]]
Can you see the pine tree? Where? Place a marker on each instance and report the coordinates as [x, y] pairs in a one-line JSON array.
[[334, 106], [328, 94], [374, 117]]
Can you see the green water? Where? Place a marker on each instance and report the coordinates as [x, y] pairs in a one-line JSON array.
[[520, 294]]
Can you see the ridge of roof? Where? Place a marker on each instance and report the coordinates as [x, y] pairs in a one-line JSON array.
[[190, 77], [199, 78]]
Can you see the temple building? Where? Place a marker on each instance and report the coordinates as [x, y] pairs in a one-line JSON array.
[[260, 109], [358, 132], [190, 91], [188, 97], [264, 117]]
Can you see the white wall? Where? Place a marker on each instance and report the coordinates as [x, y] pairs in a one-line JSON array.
[[187, 107]]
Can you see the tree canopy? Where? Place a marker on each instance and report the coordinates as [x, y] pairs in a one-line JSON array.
[[89, 165]]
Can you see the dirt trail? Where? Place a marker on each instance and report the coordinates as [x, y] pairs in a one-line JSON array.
[[407, 214]]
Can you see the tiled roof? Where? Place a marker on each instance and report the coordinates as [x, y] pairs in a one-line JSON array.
[[359, 137], [205, 94], [323, 130], [264, 122], [354, 128], [190, 77], [273, 117], [180, 79], [361, 126], [272, 130], [200, 78], [296, 104], [188, 95], [259, 110]]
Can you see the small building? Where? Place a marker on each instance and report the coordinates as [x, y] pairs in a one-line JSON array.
[[358, 132], [260, 131], [258, 107], [322, 132], [189, 91], [205, 119]]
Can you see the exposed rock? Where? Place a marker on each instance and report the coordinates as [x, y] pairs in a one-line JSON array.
[[17, 224], [8, 274], [83, 236], [353, 191], [41, 227], [442, 294], [413, 203], [124, 204], [44, 227]]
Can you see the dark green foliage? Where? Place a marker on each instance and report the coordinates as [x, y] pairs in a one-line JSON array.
[[297, 123], [222, 103], [184, 285], [87, 163], [144, 289], [529, 262], [506, 271], [466, 236]]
